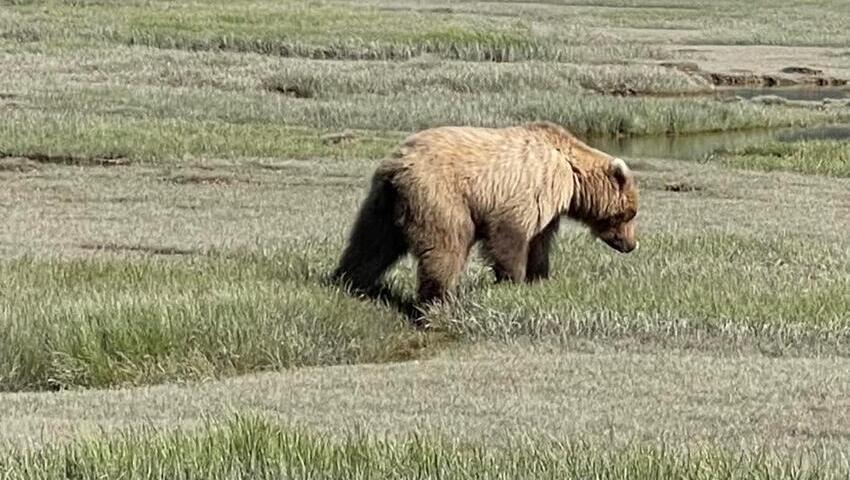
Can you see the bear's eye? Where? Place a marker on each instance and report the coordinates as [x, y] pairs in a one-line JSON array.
[[615, 220], [608, 223]]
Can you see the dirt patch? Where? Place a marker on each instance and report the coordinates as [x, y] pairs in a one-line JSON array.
[[687, 67], [682, 186], [744, 79], [289, 89], [286, 166], [152, 250], [786, 77], [293, 91], [802, 70], [444, 10], [204, 179], [71, 160], [620, 90], [328, 181], [343, 138]]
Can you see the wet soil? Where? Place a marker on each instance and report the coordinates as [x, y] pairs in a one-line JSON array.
[[787, 76]]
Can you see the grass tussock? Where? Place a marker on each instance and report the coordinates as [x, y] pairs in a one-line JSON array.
[[251, 447]]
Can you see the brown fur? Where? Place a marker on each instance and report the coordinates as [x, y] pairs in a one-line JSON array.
[[446, 188]]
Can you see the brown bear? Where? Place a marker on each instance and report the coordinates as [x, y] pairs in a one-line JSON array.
[[445, 188]]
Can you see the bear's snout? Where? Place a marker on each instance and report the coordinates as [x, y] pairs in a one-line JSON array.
[[621, 244], [621, 237]]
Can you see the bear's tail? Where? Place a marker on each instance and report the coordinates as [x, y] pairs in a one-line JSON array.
[[375, 242]]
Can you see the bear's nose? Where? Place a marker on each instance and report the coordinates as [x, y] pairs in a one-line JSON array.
[[627, 246]]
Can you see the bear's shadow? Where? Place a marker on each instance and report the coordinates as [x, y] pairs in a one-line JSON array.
[[387, 295]]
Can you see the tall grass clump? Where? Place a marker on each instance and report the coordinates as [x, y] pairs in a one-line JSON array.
[[311, 79], [249, 447], [481, 47]]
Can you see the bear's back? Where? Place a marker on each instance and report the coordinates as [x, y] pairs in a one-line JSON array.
[[475, 149], [510, 171]]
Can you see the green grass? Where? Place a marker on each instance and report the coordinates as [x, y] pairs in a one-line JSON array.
[[150, 124], [177, 178], [162, 85], [157, 80], [815, 157], [783, 294], [309, 31], [98, 323], [250, 448], [113, 322], [393, 30], [337, 79], [176, 140]]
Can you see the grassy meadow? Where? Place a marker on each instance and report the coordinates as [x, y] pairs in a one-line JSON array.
[[178, 178]]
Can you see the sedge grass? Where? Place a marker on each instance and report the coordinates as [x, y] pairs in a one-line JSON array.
[[248, 447]]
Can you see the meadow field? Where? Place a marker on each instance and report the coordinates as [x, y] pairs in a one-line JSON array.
[[177, 179]]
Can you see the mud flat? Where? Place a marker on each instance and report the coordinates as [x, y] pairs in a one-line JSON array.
[[763, 65]]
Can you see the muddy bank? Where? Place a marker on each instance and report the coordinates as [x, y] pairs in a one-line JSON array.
[[786, 77]]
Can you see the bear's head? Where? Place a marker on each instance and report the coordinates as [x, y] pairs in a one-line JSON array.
[[607, 202], [617, 227]]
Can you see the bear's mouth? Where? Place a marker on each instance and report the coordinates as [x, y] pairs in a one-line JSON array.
[[621, 245]]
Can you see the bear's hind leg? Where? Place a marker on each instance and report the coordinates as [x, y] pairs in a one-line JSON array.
[[507, 248], [442, 252], [538, 253], [439, 274], [375, 242]]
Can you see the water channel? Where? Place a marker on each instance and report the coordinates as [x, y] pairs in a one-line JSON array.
[[699, 146]]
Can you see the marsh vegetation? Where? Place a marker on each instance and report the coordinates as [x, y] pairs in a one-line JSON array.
[[176, 179]]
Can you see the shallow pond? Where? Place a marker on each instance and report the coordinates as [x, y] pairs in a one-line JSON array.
[[698, 146]]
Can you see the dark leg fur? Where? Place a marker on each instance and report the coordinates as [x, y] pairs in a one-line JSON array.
[[439, 273], [375, 242], [507, 249], [441, 245], [538, 253]]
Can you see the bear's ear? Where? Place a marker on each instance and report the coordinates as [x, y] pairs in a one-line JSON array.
[[620, 173]]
